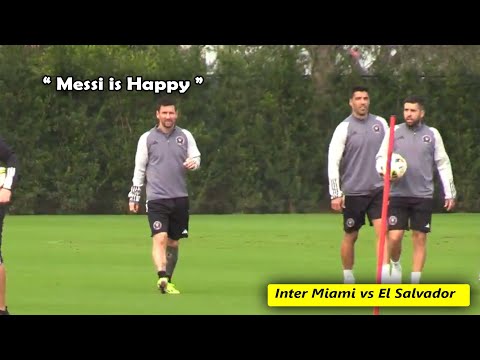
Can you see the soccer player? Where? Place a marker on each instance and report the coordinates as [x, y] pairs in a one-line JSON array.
[[164, 155], [411, 196], [9, 159], [356, 189]]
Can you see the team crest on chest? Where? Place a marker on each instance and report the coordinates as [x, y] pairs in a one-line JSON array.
[[376, 128], [426, 139], [179, 140]]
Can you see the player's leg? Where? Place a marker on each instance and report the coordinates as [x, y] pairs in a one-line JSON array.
[[179, 220], [398, 215], [421, 224], [374, 213], [347, 253], [385, 274], [158, 218], [3, 275], [419, 239], [172, 257], [353, 220]]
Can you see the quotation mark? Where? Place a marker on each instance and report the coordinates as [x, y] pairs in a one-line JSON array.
[[47, 80], [69, 84]]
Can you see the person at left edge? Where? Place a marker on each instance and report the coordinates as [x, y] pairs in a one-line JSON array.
[[8, 158]]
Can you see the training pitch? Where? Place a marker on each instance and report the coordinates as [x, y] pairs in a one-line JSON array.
[[102, 264]]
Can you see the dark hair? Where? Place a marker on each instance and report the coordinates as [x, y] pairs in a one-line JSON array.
[[358, 88], [166, 101], [415, 99]]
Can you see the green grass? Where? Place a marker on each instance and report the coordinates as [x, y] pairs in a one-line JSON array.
[[102, 264]]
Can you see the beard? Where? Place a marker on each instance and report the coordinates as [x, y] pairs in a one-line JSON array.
[[412, 123], [168, 123]]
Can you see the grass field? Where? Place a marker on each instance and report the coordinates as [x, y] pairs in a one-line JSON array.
[[102, 264]]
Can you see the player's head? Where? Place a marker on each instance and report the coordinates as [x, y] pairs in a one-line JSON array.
[[413, 110], [166, 113], [359, 101]]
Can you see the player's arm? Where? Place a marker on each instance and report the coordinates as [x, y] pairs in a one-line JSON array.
[[194, 157], [8, 156], [141, 161], [382, 154], [335, 154], [444, 167]]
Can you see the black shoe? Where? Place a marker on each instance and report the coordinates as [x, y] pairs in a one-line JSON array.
[[4, 312]]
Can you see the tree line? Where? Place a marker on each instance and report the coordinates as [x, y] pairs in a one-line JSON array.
[[262, 117]]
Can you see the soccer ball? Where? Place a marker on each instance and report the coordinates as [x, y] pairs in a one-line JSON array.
[[398, 166]]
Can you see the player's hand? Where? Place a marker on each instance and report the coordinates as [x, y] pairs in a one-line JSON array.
[[134, 207], [5, 196], [338, 203], [449, 204], [190, 164]]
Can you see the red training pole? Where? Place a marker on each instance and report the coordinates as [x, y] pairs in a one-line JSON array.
[[386, 193]]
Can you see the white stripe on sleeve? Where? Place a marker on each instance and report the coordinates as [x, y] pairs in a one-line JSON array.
[[193, 152], [381, 158], [335, 154], [141, 160], [7, 184], [444, 167]]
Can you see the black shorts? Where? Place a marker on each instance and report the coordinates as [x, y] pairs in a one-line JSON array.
[[170, 216], [356, 207], [405, 213]]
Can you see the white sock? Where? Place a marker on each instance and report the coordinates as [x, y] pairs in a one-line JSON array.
[[396, 273], [416, 277], [386, 277], [348, 277], [386, 269]]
